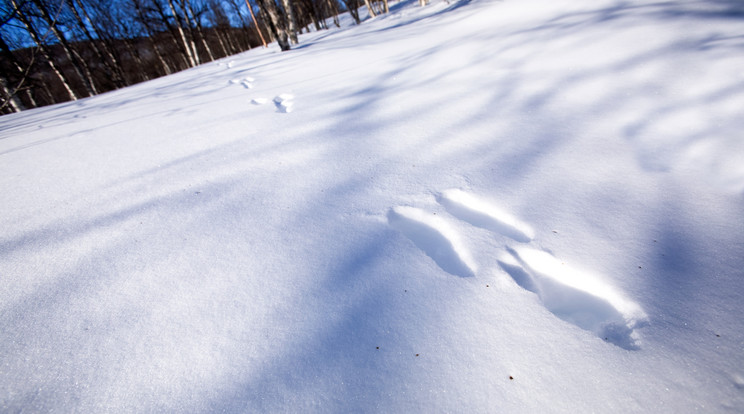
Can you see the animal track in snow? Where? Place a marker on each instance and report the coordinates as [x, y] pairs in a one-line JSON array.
[[576, 297], [259, 101], [284, 102], [434, 237], [479, 213]]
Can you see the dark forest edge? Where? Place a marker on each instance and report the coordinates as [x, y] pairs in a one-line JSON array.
[[55, 51]]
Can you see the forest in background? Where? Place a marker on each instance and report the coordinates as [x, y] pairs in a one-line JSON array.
[[62, 50]]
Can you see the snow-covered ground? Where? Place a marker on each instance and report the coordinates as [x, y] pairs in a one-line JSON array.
[[518, 206]]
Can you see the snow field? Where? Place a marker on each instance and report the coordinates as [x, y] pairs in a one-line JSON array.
[[474, 207]]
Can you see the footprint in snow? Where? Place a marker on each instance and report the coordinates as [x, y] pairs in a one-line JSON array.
[[480, 213], [247, 83], [434, 237], [576, 296], [284, 103]]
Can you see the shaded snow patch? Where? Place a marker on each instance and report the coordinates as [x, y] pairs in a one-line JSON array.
[[435, 237]]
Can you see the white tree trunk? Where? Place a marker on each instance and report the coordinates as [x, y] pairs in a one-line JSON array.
[[276, 26], [78, 64], [291, 22], [44, 52], [255, 23], [11, 100], [188, 46], [370, 10]]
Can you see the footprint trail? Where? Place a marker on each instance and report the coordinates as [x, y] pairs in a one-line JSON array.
[[434, 237]]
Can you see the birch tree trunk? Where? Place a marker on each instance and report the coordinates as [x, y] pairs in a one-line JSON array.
[[44, 51], [220, 42], [333, 6], [193, 21], [275, 24], [150, 36], [10, 100], [19, 74], [109, 60], [78, 64], [370, 10], [291, 21], [255, 23], [353, 7], [187, 45]]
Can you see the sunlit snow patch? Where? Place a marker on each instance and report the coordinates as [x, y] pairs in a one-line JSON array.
[[479, 213], [435, 237], [577, 297]]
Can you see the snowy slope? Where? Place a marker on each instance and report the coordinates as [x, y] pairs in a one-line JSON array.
[[517, 206]]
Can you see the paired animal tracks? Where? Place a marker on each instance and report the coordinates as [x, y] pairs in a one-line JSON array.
[[572, 295], [283, 102]]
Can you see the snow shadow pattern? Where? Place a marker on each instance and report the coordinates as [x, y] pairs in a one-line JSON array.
[[433, 236]]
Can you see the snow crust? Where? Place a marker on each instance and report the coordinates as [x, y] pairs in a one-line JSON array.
[[475, 206]]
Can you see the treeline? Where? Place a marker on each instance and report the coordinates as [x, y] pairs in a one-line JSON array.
[[60, 50]]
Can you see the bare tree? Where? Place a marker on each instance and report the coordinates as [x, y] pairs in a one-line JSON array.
[[45, 51], [15, 72], [333, 11], [275, 24], [353, 7], [101, 53], [253, 16], [9, 98], [78, 64], [58, 50], [291, 21], [150, 34], [370, 9], [193, 20], [188, 44]]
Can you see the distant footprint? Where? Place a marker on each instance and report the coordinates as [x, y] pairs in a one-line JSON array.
[[284, 102], [479, 213], [434, 236], [577, 297]]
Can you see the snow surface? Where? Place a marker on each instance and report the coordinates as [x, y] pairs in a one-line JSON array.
[[517, 206]]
